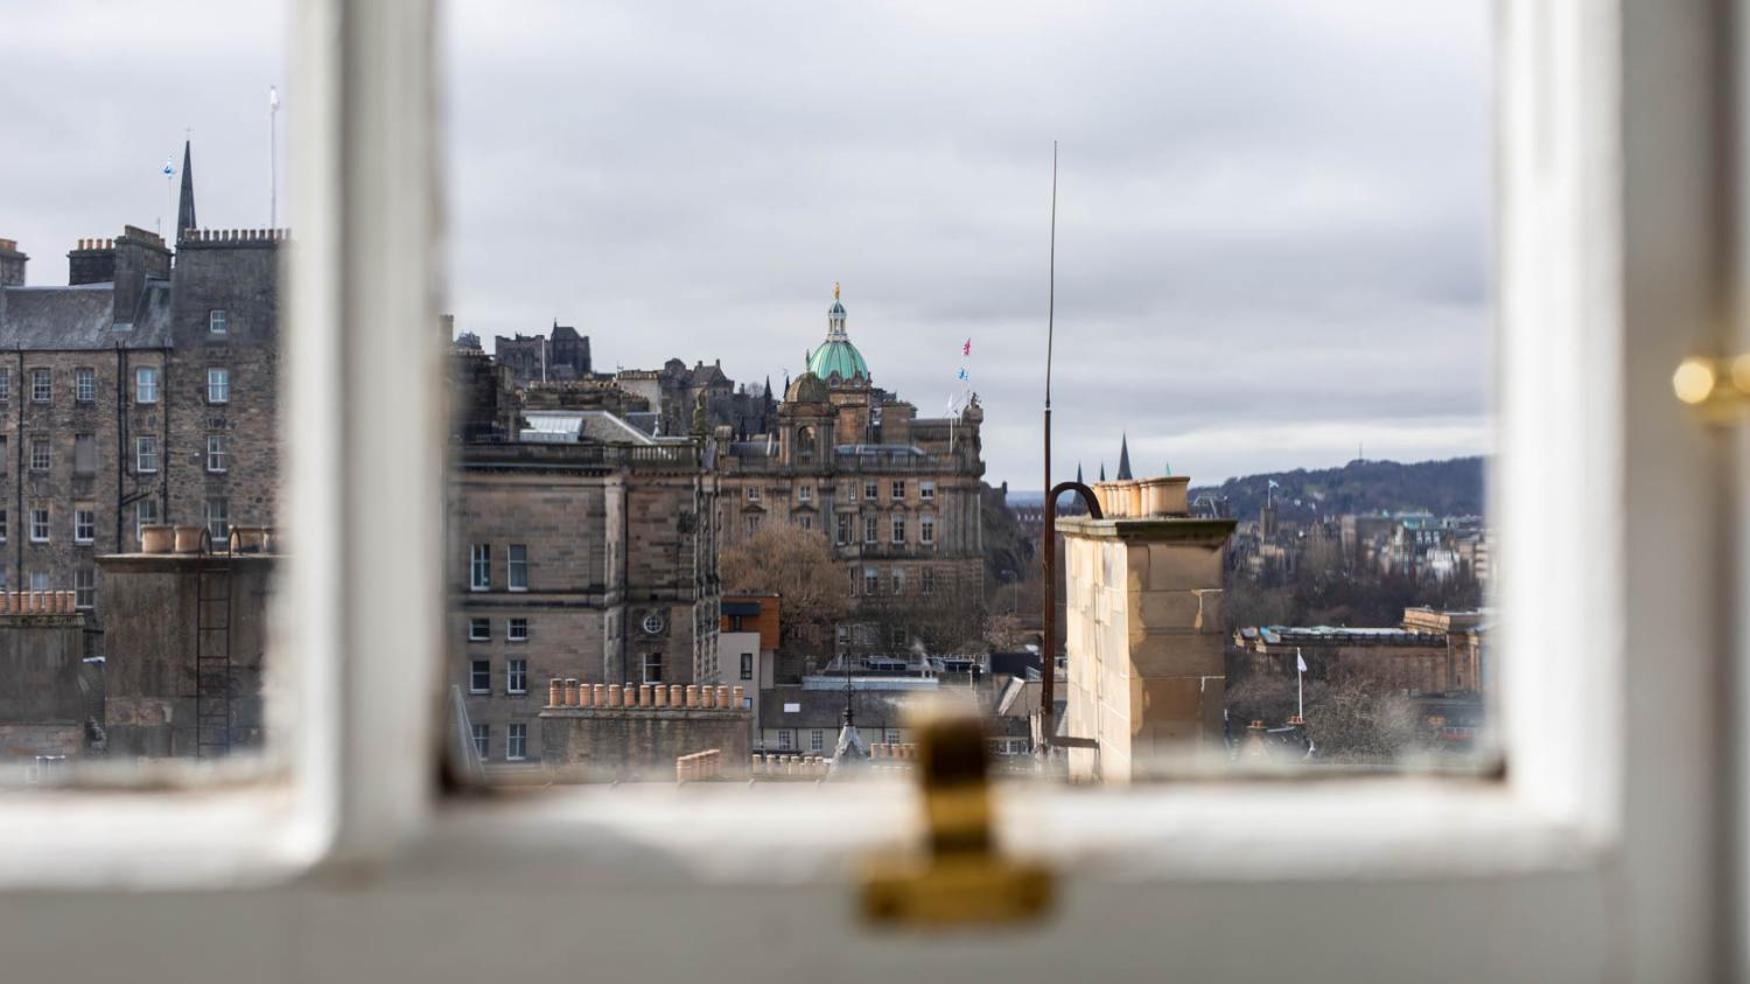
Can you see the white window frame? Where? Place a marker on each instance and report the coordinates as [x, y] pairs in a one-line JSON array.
[[1601, 851], [480, 567], [218, 385], [516, 676], [84, 525], [218, 322], [217, 463], [221, 516], [85, 588], [146, 384], [141, 521], [84, 385], [146, 454], [42, 384], [42, 453], [516, 741], [485, 627], [41, 524], [927, 529], [511, 626], [479, 668], [514, 567]]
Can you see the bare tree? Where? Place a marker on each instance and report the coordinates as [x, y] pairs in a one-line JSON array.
[[796, 565]]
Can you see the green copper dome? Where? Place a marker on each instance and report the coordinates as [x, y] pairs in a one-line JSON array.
[[837, 357]]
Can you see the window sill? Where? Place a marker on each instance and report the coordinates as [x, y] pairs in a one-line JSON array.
[[1372, 829]]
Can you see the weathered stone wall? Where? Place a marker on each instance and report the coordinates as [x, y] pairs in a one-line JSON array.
[[1145, 644], [240, 277], [108, 488], [151, 644], [622, 568], [45, 693], [593, 744]]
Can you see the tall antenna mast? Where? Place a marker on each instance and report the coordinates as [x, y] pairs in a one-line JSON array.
[[273, 184], [1048, 551]]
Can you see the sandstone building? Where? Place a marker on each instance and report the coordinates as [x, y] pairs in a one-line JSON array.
[[896, 495], [141, 392], [581, 547], [1145, 664]]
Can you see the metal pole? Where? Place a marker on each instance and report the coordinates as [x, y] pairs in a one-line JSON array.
[[273, 184], [1048, 645], [1299, 686]]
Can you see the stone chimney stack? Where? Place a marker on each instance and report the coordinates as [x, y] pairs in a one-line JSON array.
[[139, 255], [1146, 675], [91, 261], [11, 264]]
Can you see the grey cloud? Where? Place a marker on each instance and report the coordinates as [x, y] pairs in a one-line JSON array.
[[1273, 227]]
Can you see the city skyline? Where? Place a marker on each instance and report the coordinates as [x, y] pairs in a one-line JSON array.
[[1276, 258]]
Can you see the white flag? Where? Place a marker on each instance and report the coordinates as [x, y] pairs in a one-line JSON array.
[[1299, 662]]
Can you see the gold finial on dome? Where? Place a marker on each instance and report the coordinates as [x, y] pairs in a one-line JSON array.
[[835, 290]]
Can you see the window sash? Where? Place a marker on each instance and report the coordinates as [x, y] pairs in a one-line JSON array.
[[217, 322], [145, 455], [216, 453], [84, 525], [84, 385], [480, 676], [516, 740], [146, 384], [480, 567], [516, 676], [42, 386], [145, 514], [517, 567], [218, 386], [361, 290], [480, 630]]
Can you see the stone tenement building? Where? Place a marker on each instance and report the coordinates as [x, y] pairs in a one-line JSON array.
[[141, 392], [561, 356], [896, 495], [580, 547], [675, 392]]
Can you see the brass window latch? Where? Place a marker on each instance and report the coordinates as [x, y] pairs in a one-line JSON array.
[[1718, 388], [958, 879]]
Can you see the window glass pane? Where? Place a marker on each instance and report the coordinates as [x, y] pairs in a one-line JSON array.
[[123, 495], [1277, 383]]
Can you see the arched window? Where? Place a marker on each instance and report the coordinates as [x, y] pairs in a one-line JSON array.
[[805, 443]]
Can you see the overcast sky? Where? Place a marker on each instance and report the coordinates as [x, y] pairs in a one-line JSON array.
[[1273, 229]]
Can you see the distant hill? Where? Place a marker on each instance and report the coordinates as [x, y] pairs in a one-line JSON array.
[[1453, 487]]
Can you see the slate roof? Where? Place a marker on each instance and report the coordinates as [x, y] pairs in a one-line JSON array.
[[70, 318]]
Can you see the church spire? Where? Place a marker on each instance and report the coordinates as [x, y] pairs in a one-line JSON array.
[[1124, 458], [185, 208], [1079, 473], [1102, 471]]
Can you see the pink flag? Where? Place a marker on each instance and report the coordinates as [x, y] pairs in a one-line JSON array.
[[967, 348]]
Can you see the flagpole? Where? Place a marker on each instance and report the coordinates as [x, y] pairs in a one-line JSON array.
[[273, 184], [1299, 687]]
